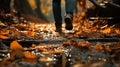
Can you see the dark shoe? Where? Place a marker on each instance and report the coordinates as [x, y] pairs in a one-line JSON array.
[[59, 30], [68, 21]]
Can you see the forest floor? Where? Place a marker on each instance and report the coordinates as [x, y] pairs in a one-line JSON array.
[[89, 43]]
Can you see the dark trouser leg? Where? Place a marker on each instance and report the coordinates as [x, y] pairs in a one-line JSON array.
[[5, 5], [70, 6], [57, 13]]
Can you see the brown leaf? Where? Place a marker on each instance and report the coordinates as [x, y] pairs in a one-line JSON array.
[[99, 47], [16, 54]]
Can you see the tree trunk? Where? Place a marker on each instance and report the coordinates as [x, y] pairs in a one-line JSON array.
[[38, 10], [23, 7]]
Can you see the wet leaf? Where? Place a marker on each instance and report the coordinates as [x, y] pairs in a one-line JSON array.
[[107, 49], [16, 54], [4, 32], [4, 37], [117, 31], [106, 31], [66, 43], [98, 47], [30, 33], [84, 45], [33, 45], [15, 45], [30, 56]]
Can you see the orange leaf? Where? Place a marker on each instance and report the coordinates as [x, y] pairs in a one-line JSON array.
[[15, 46], [58, 51], [30, 56], [106, 31], [4, 37], [66, 43], [84, 44], [107, 49], [33, 45], [117, 31], [30, 33], [99, 47], [4, 32], [41, 49], [16, 32], [78, 33]]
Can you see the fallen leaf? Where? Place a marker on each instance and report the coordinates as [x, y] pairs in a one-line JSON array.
[[106, 31], [117, 31], [30, 56], [99, 47], [4, 37], [15, 45], [30, 33], [4, 32]]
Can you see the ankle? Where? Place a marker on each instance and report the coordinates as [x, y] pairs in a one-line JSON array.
[[69, 16]]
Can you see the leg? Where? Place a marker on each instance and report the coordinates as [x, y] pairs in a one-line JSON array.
[[70, 6], [57, 13], [5, 5]]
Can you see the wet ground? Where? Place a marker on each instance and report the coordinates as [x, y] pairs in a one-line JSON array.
[[75, 50], [70, 56]]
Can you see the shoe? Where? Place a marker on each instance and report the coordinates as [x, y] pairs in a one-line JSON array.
[[68, 21], [59, 30]]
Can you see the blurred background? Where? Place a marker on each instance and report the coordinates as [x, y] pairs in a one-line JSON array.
[[41, 9]]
